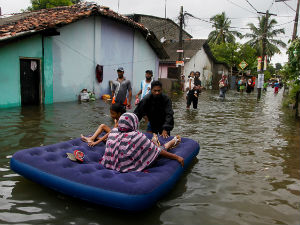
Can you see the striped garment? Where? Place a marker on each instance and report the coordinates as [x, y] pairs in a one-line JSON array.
[[127, 149]]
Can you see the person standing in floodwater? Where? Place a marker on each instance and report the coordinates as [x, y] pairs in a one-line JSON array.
[[223, 84], [158, 109], [120, 87], [145, 86]]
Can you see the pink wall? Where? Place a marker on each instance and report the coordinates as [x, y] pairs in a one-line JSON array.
[[163, 71]]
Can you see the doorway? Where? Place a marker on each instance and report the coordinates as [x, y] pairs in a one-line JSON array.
[[30, 79]]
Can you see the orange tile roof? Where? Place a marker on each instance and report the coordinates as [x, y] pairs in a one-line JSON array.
[[56, 17]]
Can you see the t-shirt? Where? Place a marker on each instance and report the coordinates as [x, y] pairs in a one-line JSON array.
[[84, 96], [120, 89], [146, 88], [187, 84]]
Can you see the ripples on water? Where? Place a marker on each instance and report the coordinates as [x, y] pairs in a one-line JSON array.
[[247, 171]]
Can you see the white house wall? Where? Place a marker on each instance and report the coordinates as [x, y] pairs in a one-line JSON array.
[[197, 63], [97, 40], [73, 60], [144, 59]]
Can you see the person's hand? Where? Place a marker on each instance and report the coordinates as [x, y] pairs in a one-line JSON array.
[[180, 160], [164, 134], [137, 96], [155, 139], [116, 123], [92, 143], [128, 106]]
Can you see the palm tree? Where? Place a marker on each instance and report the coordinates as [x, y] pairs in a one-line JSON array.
[[257, 36], [222, 34]]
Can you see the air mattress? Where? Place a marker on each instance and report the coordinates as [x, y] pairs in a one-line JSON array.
[[90, 181]]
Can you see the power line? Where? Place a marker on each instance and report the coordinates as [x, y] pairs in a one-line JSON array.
[[289, 7], [284, 23], [188, 14], [240, 7], [251, 5]]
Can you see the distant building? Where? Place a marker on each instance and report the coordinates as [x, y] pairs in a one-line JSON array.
[[196, 52], [164, 29], [50, 55]]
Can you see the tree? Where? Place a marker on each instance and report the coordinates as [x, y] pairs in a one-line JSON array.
[[247, 53], [258, 34], [46, 4], [278, 66], [225, 52], [222, 34], [233, 53], [293, 65]]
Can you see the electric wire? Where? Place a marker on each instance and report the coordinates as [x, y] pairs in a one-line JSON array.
[[251, 5]]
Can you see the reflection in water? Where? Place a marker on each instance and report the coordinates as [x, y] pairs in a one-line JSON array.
[[247, 171], [30, 127]]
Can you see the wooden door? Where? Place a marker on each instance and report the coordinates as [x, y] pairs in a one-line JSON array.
[[30, 81]]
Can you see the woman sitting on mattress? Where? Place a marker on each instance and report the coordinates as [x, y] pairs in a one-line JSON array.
[[127, 149]]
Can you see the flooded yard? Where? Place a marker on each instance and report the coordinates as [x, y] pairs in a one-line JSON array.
[[247, 171]]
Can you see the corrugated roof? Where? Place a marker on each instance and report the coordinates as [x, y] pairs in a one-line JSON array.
[[162, 27], [190, 47], [46, 19]]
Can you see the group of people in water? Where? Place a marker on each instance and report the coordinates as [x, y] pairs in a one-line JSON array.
[[127, 148], [193, 88], [244, 84]]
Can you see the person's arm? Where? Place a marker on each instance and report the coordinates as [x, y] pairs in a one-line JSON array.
[[129, 94], [129, 98], [138, 94], [169, 120], [103, 138], [113, 88], [170, 155], [140, 109], [190, 84]]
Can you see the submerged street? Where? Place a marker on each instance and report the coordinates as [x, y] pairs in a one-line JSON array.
[[247, 171]]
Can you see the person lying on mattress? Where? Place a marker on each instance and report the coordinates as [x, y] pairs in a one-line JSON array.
[[128, 149], [116, 110]]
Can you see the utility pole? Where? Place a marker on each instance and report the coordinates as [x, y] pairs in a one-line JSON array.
[[296, 18], [264, 42], [180, 44], [296, 22]]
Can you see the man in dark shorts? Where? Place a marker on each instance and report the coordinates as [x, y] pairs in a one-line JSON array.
[[158, 109], [120, 87]]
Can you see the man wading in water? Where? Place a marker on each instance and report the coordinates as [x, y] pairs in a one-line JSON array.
[[158, 109]]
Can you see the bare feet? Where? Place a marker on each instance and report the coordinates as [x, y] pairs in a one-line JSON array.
[[174, 142], [155, 139], [86, 139]]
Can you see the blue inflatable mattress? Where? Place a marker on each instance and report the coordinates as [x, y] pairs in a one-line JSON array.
[[90, 181]]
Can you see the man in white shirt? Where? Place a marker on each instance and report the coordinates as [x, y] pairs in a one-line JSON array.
[[145, 85]]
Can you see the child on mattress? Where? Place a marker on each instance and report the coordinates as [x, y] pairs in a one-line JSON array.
[[116, 110], [127, 149]]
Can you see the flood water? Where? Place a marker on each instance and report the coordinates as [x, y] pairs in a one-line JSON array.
[[247, 171]]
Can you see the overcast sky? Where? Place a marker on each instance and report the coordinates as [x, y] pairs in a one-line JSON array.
[[241, 12]]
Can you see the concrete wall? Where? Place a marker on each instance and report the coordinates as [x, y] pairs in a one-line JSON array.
[[200, 62], [116, 50], [73, 60], [70, 59], [10, 55], [144, 58]]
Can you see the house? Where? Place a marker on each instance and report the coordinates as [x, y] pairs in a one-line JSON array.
[[197, 55], [50, 55], [163, 28]]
